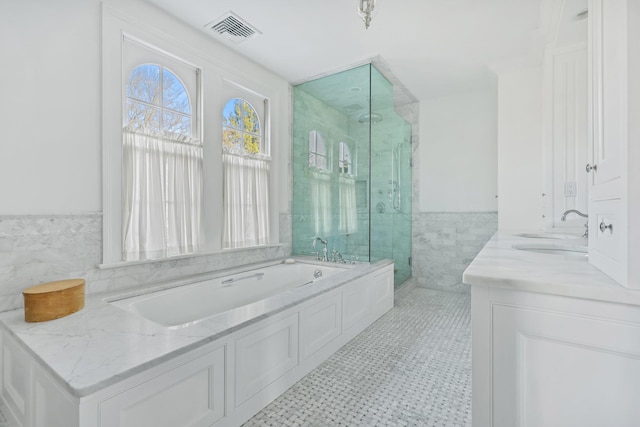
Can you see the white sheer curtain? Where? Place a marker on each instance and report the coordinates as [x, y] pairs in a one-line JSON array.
[[348, 218], [246, 200], [321, 202], [162, 195]]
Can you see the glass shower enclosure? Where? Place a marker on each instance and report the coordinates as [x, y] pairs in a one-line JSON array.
[[351, 171]]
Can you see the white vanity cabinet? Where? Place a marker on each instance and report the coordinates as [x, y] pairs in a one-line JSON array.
[[614, 98], [546, 360], [221, 383]]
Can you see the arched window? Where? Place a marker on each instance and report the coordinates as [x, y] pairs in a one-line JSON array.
[[318, 154], [241, 131], [345, 161], [157, 101], [246, 173], [161, 164]]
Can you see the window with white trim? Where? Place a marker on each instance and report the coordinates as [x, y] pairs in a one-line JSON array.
[[170, 55], [246, 170], [162, 156]]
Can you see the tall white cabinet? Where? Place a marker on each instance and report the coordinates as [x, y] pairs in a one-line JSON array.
[[565, 136], [614, 193]]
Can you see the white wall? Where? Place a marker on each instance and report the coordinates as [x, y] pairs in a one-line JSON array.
[[458, 153], [50, 107], [50, 103], [520, 155]]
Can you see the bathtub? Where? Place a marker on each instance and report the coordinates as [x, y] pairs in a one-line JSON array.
[[190, 304], [117, 362]]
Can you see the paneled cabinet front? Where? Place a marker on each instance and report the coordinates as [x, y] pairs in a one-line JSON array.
[[33, 398], [191, 395], [382, 292], [608, 95], [356, 306], [320, 323], [544, 361], [263, 355], [614, 63]]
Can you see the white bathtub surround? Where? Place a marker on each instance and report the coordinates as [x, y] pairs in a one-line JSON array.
[[445, 243], [103, 360], [42, 248], [555, 340]]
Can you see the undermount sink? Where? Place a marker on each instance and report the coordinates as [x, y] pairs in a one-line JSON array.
[[547, 236], [566, 250]]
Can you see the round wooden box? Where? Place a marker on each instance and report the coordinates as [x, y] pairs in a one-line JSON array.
[[53, 300]]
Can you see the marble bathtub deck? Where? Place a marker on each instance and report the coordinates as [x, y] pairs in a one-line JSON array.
[[101, 344], [412, 367]]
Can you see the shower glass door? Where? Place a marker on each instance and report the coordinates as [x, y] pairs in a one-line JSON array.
[[351, 171], [390, 217]]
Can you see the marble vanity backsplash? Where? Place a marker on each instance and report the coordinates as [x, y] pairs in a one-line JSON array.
[[445, 243], [41, 248]]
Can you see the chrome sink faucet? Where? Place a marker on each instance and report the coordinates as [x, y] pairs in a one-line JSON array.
[[577, 212], [324, 250]]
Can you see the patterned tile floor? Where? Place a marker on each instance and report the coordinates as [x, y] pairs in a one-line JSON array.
[[410, 368]]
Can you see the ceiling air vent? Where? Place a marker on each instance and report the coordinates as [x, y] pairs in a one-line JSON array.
[[232, 28]]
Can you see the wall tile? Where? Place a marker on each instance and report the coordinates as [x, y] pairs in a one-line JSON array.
[[445, 243], [41, 248]]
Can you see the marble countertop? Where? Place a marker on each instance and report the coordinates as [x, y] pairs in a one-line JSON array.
[[500, 264], [103, 344]]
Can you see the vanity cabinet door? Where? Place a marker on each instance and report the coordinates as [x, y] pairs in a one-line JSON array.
[[613, 191], [608, 96], [191, 395], [553, 368]]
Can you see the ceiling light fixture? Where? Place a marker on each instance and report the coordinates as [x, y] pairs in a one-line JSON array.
[[365, 10]]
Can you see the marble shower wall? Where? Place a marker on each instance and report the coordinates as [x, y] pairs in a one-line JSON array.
[[41, 248], [445, 243]]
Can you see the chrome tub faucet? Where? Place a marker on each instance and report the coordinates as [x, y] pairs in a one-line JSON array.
[[324, 250]]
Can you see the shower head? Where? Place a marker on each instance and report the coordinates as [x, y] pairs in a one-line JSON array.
[[367, 118]]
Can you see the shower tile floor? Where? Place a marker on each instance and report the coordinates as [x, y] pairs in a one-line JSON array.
[[410, 368]]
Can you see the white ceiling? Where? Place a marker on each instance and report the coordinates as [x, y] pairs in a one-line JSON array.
[[433, 47]]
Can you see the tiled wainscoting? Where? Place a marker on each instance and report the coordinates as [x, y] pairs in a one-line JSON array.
[[445, 243], [42, 248]]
